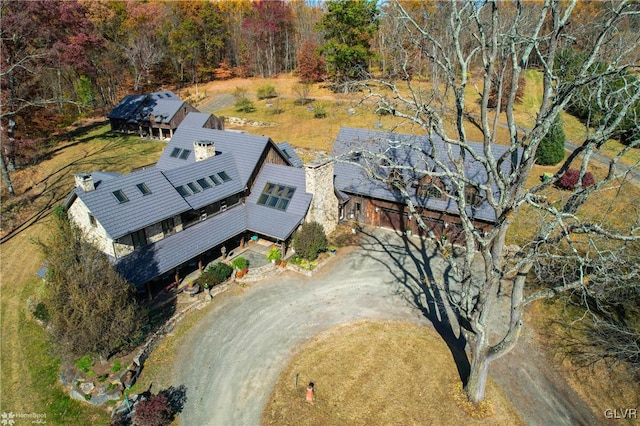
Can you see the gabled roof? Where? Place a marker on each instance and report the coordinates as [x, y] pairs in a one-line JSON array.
[[138, 108], [168, 253], [271, 221], [246, 148], [196, 120], [190, 174], [121, 218], [290, 154], [352, 179]]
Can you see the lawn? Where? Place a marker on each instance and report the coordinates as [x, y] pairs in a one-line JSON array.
[[29, 372], [375, 374]]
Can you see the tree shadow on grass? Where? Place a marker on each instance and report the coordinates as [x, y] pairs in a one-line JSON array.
[[425, 278]]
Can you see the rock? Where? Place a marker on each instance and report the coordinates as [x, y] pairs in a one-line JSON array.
[[351, 111], [87, 387], [76, 394]]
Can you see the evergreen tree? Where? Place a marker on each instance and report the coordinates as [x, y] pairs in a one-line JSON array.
[[551, 149]]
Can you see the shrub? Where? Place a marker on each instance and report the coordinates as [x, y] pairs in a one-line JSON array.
[[155, 411], [310, 240], [274, 254], [40, 312], [570, 179], [117, 366], [244, 105], [551, 149], [319, 112], [240, 263], [214, 275], [266, 91], [84, 364]]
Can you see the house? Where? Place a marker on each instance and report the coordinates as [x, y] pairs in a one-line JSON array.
[[156, 115], [372, 202], [210, 188]]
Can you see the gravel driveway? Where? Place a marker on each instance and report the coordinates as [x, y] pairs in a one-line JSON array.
[[232, 359]]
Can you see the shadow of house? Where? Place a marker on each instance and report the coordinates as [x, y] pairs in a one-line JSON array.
[[156, 115]]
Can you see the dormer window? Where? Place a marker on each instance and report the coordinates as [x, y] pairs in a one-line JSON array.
[[430, 190]]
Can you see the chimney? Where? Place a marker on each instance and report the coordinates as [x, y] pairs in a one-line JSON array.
[[85, 181], [204, 150], [324, 204]]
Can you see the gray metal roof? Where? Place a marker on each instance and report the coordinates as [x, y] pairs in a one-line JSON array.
[[290, 154], [155, 259], [246, 148], [119, 219], [352, 179], [137, 108], [270, 221], [195, 120], [222, 162]]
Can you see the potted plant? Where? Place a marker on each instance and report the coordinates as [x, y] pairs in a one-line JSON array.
[[408, 230], [274, 255], [332, 249], [240, 263]]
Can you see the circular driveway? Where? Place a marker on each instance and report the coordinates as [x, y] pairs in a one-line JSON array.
[[232, 359]]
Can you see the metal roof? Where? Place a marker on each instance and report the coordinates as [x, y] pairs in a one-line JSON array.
[[352, 179], [119, 219], [137, 108], [290, 154], [197, 120]]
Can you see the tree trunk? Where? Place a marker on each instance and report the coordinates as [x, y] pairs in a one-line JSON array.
[[6, 177], [477, 381]]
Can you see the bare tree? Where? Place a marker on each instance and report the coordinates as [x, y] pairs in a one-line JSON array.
[[480, 50]]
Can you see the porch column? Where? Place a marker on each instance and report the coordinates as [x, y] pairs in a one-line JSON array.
[[200, 263], [177, 275], [149, 295]]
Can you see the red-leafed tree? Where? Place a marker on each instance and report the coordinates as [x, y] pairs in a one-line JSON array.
[[45, 47], [311, 65], [269, 28]]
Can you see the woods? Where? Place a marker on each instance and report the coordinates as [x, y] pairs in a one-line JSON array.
[[443, 68]]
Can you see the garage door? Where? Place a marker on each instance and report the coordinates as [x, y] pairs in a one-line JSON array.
[[393, 219]]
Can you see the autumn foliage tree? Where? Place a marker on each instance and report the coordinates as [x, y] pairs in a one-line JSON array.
[[91, 308], [311, 65]]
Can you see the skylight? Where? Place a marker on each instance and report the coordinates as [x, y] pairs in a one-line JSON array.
[[183, 191], [215, 180], [224, 176], [185, 154], [144, 189], [175, 152], [120, 196], [204, 184], [194, 188], [276, 196]]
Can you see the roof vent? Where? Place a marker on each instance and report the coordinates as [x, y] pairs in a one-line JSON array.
[[85, 181], [204, 150]]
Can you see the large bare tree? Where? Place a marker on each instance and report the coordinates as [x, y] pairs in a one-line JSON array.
[[478, 49]]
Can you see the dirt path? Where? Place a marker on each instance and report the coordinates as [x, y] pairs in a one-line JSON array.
[[232, 359]]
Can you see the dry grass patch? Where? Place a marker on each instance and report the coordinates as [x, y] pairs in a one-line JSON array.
[[383, 373], [600, 387]]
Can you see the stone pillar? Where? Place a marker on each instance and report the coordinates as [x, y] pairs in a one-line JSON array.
[[324, 207]]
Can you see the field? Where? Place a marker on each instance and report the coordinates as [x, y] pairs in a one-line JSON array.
[[29, 366]]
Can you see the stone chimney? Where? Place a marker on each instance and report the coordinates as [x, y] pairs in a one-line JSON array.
[[324, 204], [204, 150], [85, 181]]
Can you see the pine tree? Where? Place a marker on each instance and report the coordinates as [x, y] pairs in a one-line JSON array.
[[551, 149]]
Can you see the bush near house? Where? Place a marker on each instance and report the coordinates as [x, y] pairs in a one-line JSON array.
[[551, 149], [266, 91], [310, 240], [240, 263], [570, 179], [214, 275]]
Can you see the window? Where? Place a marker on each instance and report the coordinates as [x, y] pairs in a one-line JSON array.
[[175, 152], [286, 154], [92, 220], [139, 238], [224, 176], [430, 190], [183, 191], [395, 177], [193, 187], [185, 154], [204, 184], [168, 226], [144, 189], [120, 196], [472, 196], [276, 196], [215, 180]]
